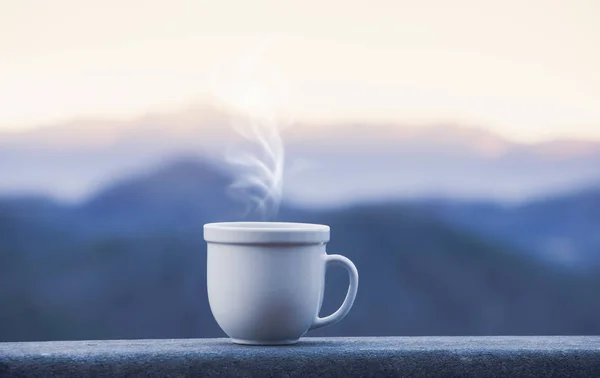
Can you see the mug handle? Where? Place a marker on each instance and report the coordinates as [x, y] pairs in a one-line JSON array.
[[350, 295]]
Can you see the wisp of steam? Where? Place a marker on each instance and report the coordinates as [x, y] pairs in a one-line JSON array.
[[253, 90]]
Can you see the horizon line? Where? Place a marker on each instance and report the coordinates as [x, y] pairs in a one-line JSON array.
[[330, 122]]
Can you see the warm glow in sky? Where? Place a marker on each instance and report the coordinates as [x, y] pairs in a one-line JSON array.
[[529, 70]]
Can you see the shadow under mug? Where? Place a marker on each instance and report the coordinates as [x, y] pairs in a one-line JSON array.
[[266, 280]]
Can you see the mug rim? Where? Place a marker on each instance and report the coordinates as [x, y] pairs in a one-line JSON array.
[[266, 233]]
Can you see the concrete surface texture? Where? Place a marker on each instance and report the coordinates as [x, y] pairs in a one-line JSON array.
[[312, 357]]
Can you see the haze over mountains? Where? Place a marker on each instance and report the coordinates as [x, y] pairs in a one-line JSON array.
[[130, 263], [454, 230], [74, 160]]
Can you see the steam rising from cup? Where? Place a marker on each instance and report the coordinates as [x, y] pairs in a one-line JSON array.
[[254, 91]]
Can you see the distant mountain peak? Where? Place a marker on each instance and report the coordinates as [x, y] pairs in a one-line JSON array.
[[183, 183], [192, 168]]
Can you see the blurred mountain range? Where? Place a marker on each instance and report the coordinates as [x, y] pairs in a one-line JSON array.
[[563, 229], [129, 262], [74, 160]]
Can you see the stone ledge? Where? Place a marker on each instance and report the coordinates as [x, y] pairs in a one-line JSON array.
[[316, 357]]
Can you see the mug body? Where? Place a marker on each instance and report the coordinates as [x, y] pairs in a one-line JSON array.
[[265, 281]]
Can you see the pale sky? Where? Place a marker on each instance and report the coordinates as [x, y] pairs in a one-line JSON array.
[[529, 70]]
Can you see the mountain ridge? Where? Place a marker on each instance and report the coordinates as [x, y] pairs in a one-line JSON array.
[[202, 118], [390, 161], [115, 269]]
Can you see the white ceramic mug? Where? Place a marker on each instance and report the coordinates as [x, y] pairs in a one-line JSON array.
[[266, 280]]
